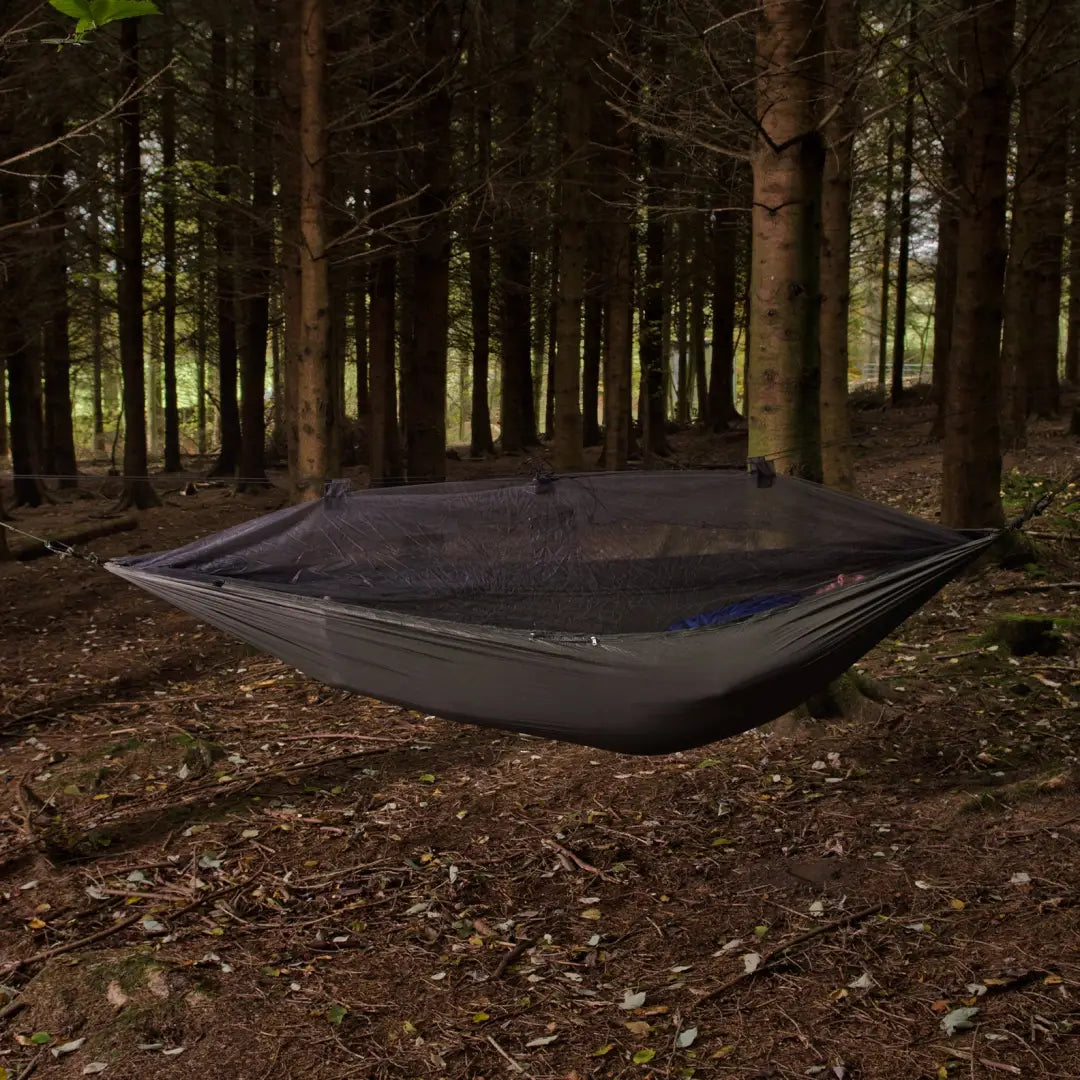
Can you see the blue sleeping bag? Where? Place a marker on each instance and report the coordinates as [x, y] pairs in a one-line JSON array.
[[741, 609]]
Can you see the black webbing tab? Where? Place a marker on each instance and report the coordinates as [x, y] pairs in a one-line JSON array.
[[763, 470]]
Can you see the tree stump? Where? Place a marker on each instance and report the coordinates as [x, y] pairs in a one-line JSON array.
[[1026, 635]]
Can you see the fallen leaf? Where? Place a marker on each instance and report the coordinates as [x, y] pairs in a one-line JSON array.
[[863, 982], [67, 1048], [336, 1013], [1021, 877], [600, 1051], [174, 1051], [40, 1038], [957, 905], [152, 926], [638, 1027], [686, 1038], [94, 1067], [643, 1057], [751, 962], [942, 1005], [36, 924], [480, 1017], [958, 1020], [543, 1040], [632, 1001], [723, 1052], [592, 913], [249, 834]]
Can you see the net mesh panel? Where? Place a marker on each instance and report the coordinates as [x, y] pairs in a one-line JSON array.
[[590, 554]]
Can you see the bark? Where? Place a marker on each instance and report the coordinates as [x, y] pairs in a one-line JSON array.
[[552, 337], [385, 459], [886, 260], [259, 269], [592, 334], [3, 405], [842, 42], [517, 410], [679, 299], [722, 367], [59, 438], [479, 237], [971, 480], [575, 101], [784, 366], [697, 315], [225, 244], [313, 391], [288, 154], [21, 359], [1033, 278], [168, 226], [1072, 336], [138, 492], [618, 268], [360, 339], [907, 161], [651, 336], [201, 333], [425, 390], [155, 414]]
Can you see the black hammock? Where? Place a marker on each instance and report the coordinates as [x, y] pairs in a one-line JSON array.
[[643, 612]]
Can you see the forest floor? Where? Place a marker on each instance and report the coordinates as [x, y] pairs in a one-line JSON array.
[[211, 866]]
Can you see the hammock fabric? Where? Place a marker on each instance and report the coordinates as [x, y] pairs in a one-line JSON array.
[[643, 612]]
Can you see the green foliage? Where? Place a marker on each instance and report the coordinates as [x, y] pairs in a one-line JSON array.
[[93, 14]]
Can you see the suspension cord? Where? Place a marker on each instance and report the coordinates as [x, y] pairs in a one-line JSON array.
[[55, 547]]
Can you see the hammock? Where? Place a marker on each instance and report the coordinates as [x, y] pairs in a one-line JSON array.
[[642, 612]]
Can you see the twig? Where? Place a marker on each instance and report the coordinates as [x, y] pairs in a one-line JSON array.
[[578, 861], [91, 939], [781, 950], [1065, 538], [957, 655], [515, 953], [31, 1065], [516, 1066], [12, 1007], [1039, 587]]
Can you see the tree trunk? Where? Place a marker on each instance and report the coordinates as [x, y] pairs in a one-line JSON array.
[[129, 299], [697, 313], [1033, 279], [201, 334], [481, 443], [168, 227], [722, 367], [971, 480], [259, 269], [360, 339], [592, 343], [784, 369], [1072, 335], [225, 243], [155, 414], [425, 389], [517, 411], [313, 392], [841, 60], [574, 124], [21, 359], [886, 261], [619, 270], [59, 435], [907, 162], [679, 300]]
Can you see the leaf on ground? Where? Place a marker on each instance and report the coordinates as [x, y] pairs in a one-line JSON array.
[[67, 1048], [686, 1038], [152, 926], [751, 962], [958, 1020], [600, 1051], [1021, 877], [863, 982], [638, 1027], [94, 1067], [593, 913], [632, 1001], [543, 1040], [40, 1038], [336, 1013], [643, 1057], [249, 834], [480, 1017]]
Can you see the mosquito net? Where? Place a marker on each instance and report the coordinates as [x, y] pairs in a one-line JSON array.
[[596, 553]]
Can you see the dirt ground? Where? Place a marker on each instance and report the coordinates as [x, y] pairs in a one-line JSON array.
[[214, 867]]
